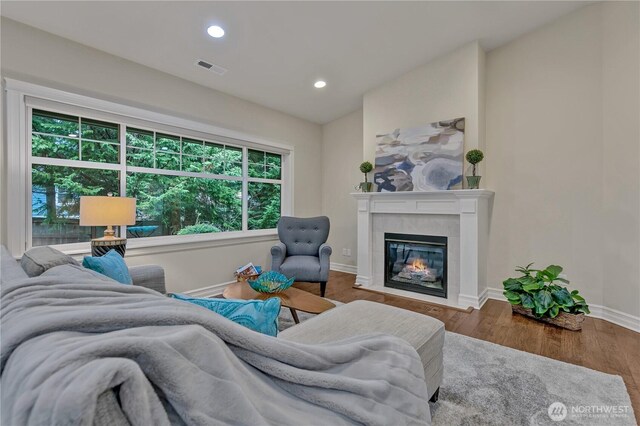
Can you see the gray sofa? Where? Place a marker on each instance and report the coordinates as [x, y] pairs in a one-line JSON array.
[[42, 259], [424, 333]]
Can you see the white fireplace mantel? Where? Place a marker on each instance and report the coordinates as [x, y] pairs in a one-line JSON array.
[[470, 206]]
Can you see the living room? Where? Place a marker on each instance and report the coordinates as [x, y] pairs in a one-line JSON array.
[[224, 119]]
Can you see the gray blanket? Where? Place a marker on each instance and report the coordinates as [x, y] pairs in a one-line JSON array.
[[66, 341]]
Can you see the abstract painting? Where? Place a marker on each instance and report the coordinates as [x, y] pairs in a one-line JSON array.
[[425, 158]]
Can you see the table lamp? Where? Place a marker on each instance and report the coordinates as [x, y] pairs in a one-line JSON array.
[[107, 211]]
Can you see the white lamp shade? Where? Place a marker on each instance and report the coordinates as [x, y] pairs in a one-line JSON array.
[[107, 211]]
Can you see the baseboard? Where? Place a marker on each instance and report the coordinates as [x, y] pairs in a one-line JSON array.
[[617, 317], [341, 267], [475, 302], [496, 294], [412, 298], [483, 297], [597, 311], [208, 291], [216, 289], [365, 281]]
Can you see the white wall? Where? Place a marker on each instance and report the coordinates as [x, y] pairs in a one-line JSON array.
[[341, 158], [621, 156], [562, 152], [445, 88], [32, 55], [562, 143]]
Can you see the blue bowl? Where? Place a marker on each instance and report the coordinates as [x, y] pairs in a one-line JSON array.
[[271, 282]]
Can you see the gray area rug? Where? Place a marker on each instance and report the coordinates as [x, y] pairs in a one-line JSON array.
[[489, 384]]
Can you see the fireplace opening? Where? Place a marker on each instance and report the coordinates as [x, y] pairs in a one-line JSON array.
[[416, 263]]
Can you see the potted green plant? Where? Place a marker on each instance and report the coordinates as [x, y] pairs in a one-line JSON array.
[[474, 157], [536, 294], [365, 168]]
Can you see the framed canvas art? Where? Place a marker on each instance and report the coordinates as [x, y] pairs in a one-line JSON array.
[[424, 158]]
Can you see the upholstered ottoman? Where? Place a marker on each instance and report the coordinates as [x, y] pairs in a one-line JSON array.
[[424, 333]]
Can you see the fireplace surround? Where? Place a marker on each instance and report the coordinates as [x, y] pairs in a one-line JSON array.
[[460, 215]]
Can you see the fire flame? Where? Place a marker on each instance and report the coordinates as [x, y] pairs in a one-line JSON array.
[[418, 265]]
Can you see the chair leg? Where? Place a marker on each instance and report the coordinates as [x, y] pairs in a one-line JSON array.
[[434, 397], [323, 287]]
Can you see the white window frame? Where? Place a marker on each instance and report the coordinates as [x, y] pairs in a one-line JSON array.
[[21, 97]]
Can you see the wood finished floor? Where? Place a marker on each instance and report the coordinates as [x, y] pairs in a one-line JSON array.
[[600, 345]]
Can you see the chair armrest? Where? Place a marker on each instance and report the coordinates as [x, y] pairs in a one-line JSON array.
[[149, 276], [278, 253], [325, 255]]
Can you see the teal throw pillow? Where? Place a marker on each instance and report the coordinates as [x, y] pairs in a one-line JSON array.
[[111, 265], [257, 315]]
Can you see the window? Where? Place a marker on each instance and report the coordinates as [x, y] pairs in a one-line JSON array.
[[183, 184], [264, 195], [56, 188]]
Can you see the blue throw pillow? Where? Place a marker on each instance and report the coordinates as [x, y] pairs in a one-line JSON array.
[[257, 315], [111, 264]]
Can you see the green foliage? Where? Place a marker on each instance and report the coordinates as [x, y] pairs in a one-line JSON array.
[[365, 168], [474, 157], [536, 289], [200, 228], [175, 204], [264, 205]]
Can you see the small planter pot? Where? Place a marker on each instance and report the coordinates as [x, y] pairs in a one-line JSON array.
[[366, 186], [569, 321], [473, 182]]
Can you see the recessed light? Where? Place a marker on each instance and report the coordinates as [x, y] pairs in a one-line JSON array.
[[215, 31], [319, 84]]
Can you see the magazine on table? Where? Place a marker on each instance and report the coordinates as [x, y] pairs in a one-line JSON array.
[[247, 270]]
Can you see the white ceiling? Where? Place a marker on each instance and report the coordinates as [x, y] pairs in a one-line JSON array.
[[274, 51]]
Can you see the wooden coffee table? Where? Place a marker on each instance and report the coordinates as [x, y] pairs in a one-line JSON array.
[[292, 298]]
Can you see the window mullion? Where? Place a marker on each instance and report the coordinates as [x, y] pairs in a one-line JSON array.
[[169, 172], [74, 163], [122, 136], [181, 167], [28, 185], [80, 138], [265, 180], [245, 189], [155, 138]]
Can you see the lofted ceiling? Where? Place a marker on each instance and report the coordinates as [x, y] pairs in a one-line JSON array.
[[275, 51]]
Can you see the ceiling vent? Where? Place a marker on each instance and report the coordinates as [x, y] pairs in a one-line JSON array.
[[211, 67]]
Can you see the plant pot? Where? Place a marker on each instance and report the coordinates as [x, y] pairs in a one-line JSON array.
[[565, 320], [473, 182], [366, 186]]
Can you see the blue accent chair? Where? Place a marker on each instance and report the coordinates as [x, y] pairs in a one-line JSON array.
[[303, 251]]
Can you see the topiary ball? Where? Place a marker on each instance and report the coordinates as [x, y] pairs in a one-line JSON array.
[[474, 156], [271, 282], [366, 167]]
